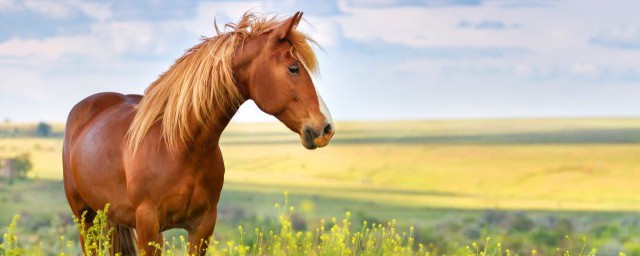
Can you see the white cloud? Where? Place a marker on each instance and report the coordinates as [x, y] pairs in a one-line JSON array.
[[62, 9], [7, 5], [133, 37], [54, 9], [584, 69], [556, 42], [223, 12], [326, 31], [48, 49], [556, 37], [422, 27], [97, 11], [106, 41], [522, 69], [623, 37]]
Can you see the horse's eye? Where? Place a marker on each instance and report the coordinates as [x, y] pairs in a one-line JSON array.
[[294, 69]]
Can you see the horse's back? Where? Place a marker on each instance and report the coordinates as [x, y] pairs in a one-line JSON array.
[[90, 107]]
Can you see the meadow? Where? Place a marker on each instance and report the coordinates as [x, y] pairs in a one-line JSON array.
[[526, 182]]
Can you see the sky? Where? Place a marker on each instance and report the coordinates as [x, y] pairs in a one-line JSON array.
[[379, 59]]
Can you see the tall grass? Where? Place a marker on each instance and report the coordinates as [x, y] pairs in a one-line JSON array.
[[328, 237]]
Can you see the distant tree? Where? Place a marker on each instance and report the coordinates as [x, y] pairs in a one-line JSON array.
[[43, 129], [16, 168], [22, 165]]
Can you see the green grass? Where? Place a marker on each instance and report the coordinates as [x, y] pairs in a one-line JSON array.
[[45, 217], [332, 237], [507, 164], [45, 153], [455, 181]]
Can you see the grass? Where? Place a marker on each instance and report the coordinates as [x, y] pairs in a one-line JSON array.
[[448, 179], [45, 217], [506, 164], [333, 237], [45, 153]]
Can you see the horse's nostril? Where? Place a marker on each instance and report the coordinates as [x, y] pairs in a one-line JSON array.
[[328, 129], [308, 134]]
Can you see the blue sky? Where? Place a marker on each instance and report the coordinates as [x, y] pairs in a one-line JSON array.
[[382, 59]]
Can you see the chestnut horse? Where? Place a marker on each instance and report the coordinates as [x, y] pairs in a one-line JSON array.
[[155, 158]]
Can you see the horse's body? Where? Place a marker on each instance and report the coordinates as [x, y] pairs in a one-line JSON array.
[[155, 158]]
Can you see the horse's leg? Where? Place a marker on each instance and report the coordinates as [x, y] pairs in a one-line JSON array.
[[89, 215], [200, 234], [148, 230], [78, 207]]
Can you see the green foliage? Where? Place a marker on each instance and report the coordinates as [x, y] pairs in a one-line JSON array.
[[97, 237], [333, 237], [328, 238], [9, 246], [23, 165]]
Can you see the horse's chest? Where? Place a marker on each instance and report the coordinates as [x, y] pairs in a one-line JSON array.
[[188, 204]]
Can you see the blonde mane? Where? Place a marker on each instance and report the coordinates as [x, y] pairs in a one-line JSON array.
[[199, 86]]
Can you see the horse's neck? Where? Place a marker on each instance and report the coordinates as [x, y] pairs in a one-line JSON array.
[[209, 135]]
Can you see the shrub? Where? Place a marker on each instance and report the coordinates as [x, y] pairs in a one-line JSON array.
[[22, 164], [43, 129]]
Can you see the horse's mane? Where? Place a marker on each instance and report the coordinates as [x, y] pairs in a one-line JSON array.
[[199, 86]]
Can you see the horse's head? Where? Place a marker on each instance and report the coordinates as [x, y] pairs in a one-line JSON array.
[[275, 74]]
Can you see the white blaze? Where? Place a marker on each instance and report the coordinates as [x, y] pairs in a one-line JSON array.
[[323, 109]]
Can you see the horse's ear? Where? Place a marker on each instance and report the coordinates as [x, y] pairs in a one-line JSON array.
[[282, 31]]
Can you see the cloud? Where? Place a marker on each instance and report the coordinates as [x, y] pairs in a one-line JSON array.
[[309, 7], [438, 52], [490, 24], [486, 24], [105, 41], [415, 3], [621, 37], [58, 9], [6, 5], [584, 68], [202, 23], [55, 9], [97, 11], [134, 37], [48, 49], [44, 19], [527, 4]]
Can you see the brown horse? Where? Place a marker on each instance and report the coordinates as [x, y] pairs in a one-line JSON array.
[[155, 158]]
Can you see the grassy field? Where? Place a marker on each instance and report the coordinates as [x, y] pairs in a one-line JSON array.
[[591, 164], [453, 177]]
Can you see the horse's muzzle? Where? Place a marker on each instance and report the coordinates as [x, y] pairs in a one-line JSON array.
[[317, 138]]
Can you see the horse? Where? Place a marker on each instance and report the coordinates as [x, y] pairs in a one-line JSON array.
[[155, 158]]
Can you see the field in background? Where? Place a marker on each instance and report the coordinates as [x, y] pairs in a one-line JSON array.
[[568, 164], [527, 183]]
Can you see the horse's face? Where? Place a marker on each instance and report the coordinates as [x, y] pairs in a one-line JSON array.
[[281, 86]]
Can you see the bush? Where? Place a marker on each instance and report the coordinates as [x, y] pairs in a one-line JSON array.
[[23, 165], [43, 129]]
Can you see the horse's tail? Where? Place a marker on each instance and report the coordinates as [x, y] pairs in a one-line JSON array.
[[123, 240]]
